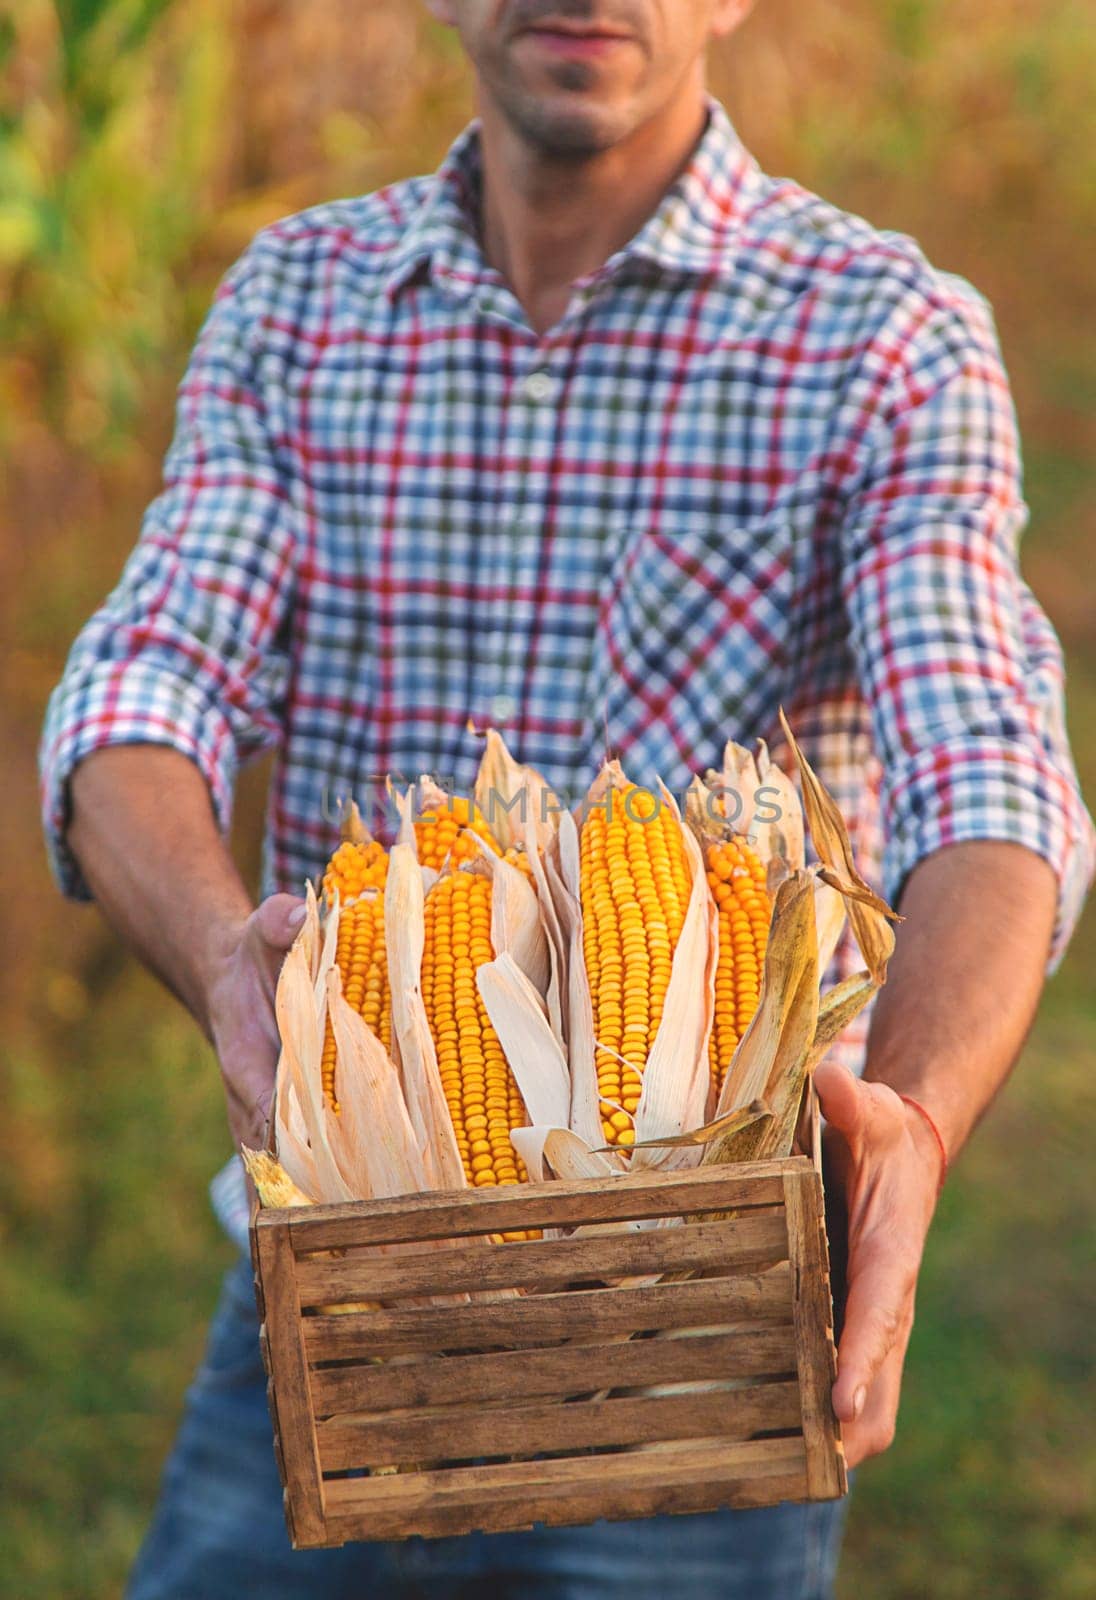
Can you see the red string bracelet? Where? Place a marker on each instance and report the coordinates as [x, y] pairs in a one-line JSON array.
[[907, 1099]]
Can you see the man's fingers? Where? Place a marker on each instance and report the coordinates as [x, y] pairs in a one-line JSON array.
[[277, 920], [873, 1431], [249, 1084], [878, 1318], [841, 1097], [858, 1110]]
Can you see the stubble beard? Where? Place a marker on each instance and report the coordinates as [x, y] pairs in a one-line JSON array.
[[556, 131]]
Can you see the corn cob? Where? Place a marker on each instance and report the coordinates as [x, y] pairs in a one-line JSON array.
[[272, 1182], [736, 877], [515, 856], [446, 832], [480, 1090], [354, 868], [357, 873], [634, 883]]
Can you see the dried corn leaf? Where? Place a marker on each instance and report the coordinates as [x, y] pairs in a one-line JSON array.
[[836, 1009], [770, 1060], [772, 1135], [829, 919], [732, 1122], [871, 916], [791, 949], [789, 1073]]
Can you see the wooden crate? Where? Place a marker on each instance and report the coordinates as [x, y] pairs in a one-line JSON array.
[[530, 1409]]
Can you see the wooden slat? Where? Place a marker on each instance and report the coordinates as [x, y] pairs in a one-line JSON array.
[[523, 1206], [554, 1426], [640, 1483], [541, 1319], [742, 1245], [538, 1374], [288, 1390], [816, 1363]]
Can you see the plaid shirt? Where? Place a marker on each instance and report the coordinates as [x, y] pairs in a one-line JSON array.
[[766, 457]]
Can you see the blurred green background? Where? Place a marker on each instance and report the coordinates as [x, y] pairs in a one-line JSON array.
[[142, 142]]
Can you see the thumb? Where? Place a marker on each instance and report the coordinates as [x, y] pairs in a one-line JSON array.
[[841, 1097], [277, 920]]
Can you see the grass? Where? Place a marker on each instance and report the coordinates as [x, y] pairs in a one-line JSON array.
[[989, 1489], [107, 1276]]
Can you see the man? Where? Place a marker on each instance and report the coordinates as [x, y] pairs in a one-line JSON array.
[[598, 434]]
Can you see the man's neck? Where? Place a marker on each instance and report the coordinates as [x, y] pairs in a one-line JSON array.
[[547, 223]]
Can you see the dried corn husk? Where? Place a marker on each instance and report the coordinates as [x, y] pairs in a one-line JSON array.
[[758, 799], [352, 829], [555, 991], [374, 1122], [516, 926], [301, 1117], [676, 1077], [418, 1063], [516, 803], [536, 1059], [561, 866], [569, 1157]]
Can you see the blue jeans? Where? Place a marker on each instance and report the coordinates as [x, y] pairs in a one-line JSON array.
[[218, 1532]]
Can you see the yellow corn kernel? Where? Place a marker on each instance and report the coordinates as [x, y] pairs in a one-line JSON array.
[[480, 1090], [363, 966], [736, 877], [517, 857], [354, 868], [634, 883], [445, 833]]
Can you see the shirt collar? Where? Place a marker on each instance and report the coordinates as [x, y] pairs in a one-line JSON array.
[[689, 232]]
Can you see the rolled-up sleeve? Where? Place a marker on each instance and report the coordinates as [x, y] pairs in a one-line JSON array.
[[189, 649], [961, 669]]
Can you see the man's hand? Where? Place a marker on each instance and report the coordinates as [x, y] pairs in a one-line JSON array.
[[886, 1164], [948, 1024], [144, 833], [240, 1010]]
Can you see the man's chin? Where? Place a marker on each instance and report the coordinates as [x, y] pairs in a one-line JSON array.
[[569, 127]]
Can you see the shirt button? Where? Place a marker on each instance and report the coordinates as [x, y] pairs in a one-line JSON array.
[[538, 386], [503, 707]]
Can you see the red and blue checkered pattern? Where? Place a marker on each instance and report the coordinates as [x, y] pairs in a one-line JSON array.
[[767, 457]]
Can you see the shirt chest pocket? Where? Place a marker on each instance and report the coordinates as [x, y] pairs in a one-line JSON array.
[[694, 632]]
